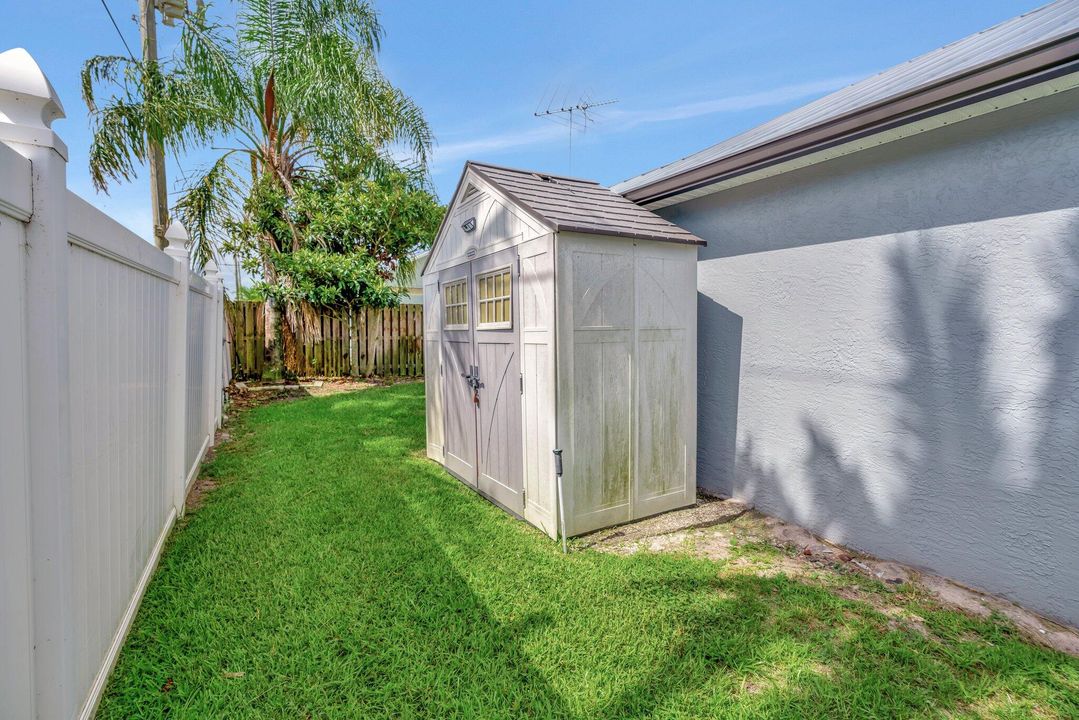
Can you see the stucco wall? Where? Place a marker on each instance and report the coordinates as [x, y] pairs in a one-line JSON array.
[[889, 350]]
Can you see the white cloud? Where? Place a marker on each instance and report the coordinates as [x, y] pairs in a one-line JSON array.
[[621, 120], [456, 151], [626, 119]]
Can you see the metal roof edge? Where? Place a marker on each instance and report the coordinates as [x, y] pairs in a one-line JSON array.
[[1000, 98], [1033, 64], [691, 239]]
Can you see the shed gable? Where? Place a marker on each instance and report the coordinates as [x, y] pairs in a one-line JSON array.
[[480, 220]]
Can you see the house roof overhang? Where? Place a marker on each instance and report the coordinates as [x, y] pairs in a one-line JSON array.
[[1035, 66]]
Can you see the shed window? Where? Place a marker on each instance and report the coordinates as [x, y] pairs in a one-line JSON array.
[[455, 303], [494, 291]]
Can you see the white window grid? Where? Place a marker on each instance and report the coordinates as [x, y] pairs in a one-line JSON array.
[[494, 295], [455, 304]]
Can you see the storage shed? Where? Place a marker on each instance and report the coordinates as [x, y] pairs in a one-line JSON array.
[[561, 315]]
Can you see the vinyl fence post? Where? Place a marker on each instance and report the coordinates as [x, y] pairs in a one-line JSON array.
[[223, 361], [176, 433], [213, 347], [28, 106], [16, 569]]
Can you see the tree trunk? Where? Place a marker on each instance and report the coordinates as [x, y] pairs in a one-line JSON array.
[[275, 370], [293, 366]]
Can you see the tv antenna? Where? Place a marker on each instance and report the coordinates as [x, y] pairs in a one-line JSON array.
[[564, 114]]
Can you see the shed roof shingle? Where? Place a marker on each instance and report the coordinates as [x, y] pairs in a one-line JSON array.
[[572, 204]]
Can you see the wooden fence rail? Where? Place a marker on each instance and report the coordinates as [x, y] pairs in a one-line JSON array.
[[367, 341]]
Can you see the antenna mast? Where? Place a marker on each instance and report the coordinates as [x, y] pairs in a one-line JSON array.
[[565, 115]]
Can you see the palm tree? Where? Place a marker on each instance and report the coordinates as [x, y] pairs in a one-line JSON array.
[[292, 82]]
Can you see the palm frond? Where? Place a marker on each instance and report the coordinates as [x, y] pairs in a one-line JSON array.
[[100, 69], [149, 104], [332, 104], [209, 55], [118, 143], [208, 205]]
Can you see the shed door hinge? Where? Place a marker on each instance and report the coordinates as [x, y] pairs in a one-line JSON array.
[[518, 266], [522, 383]]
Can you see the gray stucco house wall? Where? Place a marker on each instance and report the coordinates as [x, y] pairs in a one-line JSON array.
[[889, 349]]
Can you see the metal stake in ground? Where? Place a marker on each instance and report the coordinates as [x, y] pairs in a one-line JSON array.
[[561, 506]]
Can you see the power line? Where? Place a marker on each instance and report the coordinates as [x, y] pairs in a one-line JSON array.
[[122, 38]]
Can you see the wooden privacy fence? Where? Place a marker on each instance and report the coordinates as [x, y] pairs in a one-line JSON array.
[[366, 341]]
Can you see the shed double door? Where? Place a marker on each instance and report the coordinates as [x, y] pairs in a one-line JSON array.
[[481, 376]]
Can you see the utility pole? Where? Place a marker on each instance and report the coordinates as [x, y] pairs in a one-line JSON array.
[[155, 154]]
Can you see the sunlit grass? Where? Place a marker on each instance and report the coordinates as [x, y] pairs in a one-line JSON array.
[[336, 573]]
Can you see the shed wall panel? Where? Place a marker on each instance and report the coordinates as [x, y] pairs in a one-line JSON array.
[[626, 378], [537, 311], [666, 366]]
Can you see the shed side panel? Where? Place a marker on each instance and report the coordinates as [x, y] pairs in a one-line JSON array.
[[537, 313], [666, 280], [595, 387]]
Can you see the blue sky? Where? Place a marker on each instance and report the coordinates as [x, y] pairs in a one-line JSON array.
[[686, 74]]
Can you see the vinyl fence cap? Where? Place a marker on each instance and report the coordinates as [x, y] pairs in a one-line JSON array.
[[26, 95], [176, 235], [211, 272]]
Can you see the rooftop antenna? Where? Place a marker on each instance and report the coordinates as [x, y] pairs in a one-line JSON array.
[[564, 114]]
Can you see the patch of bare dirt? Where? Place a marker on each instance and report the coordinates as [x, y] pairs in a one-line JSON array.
[[244, 395], [974, 602], [708, 512], [709, 528], [898, 617], [772, 567], [202, 487]]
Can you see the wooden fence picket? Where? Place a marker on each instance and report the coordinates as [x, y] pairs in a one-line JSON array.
[[361, 342]]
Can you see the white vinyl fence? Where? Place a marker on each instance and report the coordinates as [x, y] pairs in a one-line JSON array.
[[111, 377]]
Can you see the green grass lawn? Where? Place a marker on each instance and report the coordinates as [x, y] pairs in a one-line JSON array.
[[337, 573]]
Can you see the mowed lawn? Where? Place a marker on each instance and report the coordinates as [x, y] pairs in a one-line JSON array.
[[337, 573]]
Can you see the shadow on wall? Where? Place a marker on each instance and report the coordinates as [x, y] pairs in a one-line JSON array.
[[719, 366], [981, 498], [958, 447]]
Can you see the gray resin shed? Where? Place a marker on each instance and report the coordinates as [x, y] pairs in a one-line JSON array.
[[561, 315]]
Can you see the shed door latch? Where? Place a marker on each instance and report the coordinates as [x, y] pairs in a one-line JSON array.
[[472, 378]]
